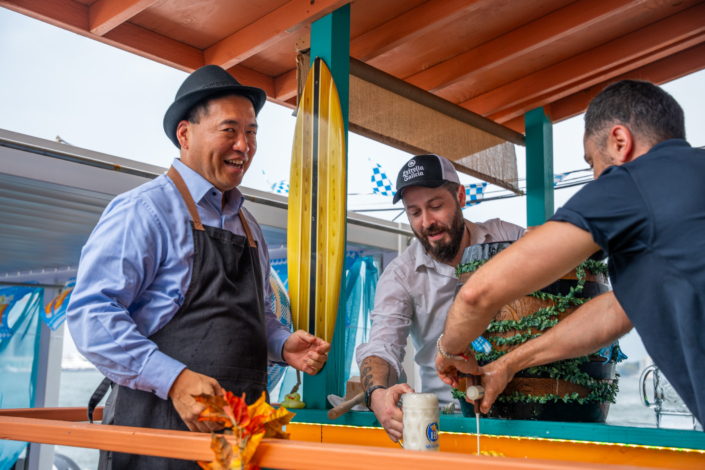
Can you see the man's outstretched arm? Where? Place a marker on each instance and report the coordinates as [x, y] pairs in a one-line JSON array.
[[593, 326], [383, 401], [531, 263]]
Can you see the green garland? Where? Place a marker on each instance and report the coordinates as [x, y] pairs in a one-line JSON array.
[[543, 319], [470, 267]]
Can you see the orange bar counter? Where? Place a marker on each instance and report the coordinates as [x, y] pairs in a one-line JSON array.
[[357, 441]]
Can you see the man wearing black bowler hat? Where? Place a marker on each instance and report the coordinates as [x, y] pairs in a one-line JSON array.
[[171, 299]]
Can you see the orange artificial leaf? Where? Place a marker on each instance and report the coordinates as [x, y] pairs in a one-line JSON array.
[[255, 426], [217, 410], [239, 407], [280, 418], [260, 407], [224, 454], [250, 448], [251, 424]]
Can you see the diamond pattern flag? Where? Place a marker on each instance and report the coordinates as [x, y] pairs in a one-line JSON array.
[[475, 193], [280, 187], [559, 177], [380, 182]]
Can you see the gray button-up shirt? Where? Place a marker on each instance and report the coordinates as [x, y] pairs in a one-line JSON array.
[[413, 297]]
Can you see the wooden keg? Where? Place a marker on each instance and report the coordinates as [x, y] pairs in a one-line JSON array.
[[562, 391]]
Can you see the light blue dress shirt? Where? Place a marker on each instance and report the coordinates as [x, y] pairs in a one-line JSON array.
[[135, 270]]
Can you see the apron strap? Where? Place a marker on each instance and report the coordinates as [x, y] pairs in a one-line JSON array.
[[247, 230], [174, 175], [97, 396]]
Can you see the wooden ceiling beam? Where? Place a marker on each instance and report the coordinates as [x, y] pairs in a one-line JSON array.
[[634, 50], [74, 16], [568, 22], [411, 25], [406, 27], [285, 85], [268, 30], [662, 71], [251, 77], [105, 15], [546, 98]]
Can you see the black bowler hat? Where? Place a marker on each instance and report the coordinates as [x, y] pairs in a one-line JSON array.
[[429, 171], [200, 84]]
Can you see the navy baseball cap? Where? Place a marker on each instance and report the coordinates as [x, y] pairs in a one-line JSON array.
[[429, 171]]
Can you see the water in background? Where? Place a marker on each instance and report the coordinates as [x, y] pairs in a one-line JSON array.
[[78, 386], [76, 389]]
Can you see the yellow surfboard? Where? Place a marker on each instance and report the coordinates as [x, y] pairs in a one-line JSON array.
[[317, 197]]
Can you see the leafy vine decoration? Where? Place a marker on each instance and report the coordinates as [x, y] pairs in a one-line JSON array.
[[543, 319]]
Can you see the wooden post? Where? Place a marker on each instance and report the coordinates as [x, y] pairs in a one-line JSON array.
[[539, 167], [330, 40]]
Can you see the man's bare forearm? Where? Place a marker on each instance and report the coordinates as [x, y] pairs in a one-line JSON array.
[[531, 263], [376, 371], [593, 326]]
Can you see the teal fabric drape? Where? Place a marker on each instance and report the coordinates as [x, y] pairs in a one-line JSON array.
[[19, 356], [360, 287]]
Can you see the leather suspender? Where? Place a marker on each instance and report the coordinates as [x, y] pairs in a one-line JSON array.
[[250, 240], [174, 175]]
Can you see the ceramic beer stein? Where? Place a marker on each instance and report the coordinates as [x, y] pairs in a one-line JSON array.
[[421, 420]]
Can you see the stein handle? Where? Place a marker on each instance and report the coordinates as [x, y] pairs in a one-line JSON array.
[[642, 386]]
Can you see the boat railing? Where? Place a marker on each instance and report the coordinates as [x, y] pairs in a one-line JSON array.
[[66, 426]]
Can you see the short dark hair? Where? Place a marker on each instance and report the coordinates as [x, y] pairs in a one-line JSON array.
[[650, 114], [200, 109], [451, 187]]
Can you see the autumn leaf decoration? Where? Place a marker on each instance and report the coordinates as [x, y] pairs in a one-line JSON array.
[[249, 424]]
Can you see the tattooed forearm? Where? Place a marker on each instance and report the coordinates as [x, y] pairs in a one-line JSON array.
[[377, 371]]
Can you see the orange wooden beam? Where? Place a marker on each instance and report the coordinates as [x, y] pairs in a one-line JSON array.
[[271, 453], [659, 72], [654, 42], [392, 34], [73, 414], [253, 78], [105, 15], [409, 26], [567, 23], [268, 30], [285, 85], [74, 16]]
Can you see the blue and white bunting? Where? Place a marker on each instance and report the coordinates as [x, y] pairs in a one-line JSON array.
[[559, 177], [381, 184], [280, 187], [475, 193]]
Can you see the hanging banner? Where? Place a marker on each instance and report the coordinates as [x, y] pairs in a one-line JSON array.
[[54, 313], [282, 308], [19, 349]]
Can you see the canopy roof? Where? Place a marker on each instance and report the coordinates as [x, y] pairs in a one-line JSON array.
[[498, 58]]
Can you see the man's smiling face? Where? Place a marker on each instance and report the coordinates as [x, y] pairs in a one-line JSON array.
[[221, 145]]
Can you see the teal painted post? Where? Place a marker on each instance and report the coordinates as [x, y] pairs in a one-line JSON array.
[[330, 40], [539, 167]]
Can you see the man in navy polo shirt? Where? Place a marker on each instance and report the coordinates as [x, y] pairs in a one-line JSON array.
[[646, 211]]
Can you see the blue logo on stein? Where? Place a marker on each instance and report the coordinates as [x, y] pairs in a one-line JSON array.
[[432, 432]]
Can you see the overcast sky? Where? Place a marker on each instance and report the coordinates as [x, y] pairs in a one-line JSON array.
[[53, 82]]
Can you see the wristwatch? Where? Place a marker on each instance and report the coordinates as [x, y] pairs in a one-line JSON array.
[[460, 357], [368, 394]]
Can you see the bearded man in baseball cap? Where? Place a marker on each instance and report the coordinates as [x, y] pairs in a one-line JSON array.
[[416, 290]]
